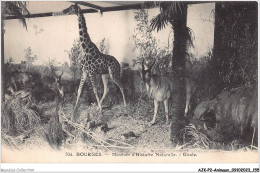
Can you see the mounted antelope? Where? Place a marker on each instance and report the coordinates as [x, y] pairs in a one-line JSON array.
[[158, 88], [57, 86], [54, 133], [59, 90]]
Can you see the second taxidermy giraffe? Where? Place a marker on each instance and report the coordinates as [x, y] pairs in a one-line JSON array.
[[93, 61]]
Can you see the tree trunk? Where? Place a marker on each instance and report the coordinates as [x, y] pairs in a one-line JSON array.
[[181, 36], [2, 60], [180, 39]]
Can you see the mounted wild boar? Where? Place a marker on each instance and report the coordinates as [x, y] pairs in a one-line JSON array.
[[234, 112]]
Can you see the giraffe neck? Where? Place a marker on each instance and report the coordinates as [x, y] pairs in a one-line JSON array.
[[83, 33], [82, 26]]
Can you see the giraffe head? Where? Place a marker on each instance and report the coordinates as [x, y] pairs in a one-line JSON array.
[[73, 9]]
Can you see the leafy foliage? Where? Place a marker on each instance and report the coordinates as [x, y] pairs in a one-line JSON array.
[[103, 47], [235, 49], [29, 57], [50, 67], [147, 44], [202, 71], [10, 60], [168, 9], [175, 13], [160, 21], [15, 8], [75, 59]]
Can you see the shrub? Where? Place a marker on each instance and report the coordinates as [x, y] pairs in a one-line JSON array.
[[147, 45], [202, 71]]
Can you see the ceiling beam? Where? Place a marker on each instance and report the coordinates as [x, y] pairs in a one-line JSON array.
[[87, 4], [123, 7], [198, 2], [105, 9], [47, 14]]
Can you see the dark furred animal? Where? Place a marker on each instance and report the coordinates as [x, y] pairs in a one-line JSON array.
[[17, 80], [158, 88], [236, 108]]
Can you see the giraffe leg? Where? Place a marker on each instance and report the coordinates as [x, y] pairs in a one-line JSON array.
[[93, 82], [82, 81], [115, 78], [106, 89], [166, 106]]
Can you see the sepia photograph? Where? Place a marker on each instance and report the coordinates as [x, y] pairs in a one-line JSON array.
[[129, 82]]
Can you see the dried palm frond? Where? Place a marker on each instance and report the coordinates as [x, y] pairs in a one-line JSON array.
[[16, 8], [17, 113], [168, 9], [160, 21], [54, 134], [10, 141], [190, 134]]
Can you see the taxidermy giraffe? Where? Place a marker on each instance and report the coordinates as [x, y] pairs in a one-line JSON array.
[[94, 62]]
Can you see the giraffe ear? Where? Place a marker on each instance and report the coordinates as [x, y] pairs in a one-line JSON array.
[[76, 7]]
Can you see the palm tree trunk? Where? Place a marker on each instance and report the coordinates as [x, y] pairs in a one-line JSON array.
[[180, 39], [181, 35]]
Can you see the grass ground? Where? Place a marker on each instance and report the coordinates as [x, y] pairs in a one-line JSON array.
[[117, 128]]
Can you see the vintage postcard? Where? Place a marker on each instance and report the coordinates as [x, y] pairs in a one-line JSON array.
[[129, 82]]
